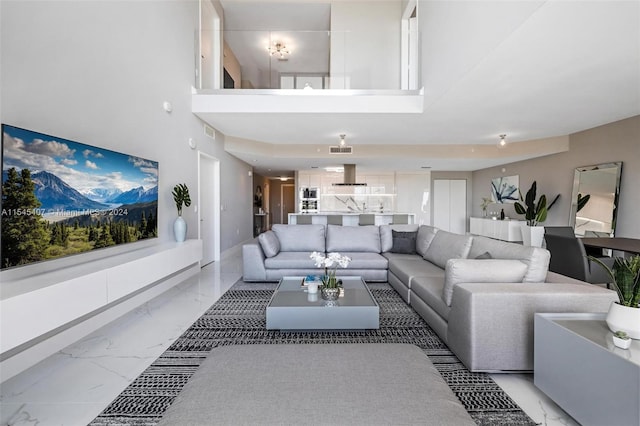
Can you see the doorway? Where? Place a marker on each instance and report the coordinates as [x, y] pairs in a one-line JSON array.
[[287, 201], [209, 209]]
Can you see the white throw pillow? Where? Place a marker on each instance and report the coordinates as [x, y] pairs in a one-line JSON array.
[[458, 271]]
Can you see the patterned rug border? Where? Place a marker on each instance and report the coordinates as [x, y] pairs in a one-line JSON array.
[[238, 318]]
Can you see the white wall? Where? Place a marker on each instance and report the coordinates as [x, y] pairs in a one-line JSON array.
[[365, 45], [618, 141], [98, 72]]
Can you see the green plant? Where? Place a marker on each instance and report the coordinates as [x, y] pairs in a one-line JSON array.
[[621, 335], [181, 197], [535, 211], [625, 277], [582, 201], [485, 203]]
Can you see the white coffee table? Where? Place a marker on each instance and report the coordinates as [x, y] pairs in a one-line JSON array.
[[292, 308], [579, 368]]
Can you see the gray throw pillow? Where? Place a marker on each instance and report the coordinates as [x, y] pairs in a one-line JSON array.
[[269, 243], [447, 245], [404, 242]]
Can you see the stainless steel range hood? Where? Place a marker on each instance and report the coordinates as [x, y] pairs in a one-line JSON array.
[[349, 176]]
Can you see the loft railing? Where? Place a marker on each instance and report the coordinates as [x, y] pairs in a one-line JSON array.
[[318, 60]]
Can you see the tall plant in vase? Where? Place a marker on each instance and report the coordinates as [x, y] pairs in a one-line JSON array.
[[181, 197], [535, 212], [625, 277]]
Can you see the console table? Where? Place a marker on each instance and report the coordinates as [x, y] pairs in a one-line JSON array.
[[578, 367], [506, 230]]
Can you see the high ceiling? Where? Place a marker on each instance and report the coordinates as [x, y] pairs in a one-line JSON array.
[[529, 69]]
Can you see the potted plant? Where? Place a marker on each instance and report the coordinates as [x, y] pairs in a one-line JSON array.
[[624, 315], [181, 197], [331, 285], [535, 212], [484, 204], [621, 339]]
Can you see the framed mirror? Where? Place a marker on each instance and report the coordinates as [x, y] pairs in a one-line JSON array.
[[594, 201]]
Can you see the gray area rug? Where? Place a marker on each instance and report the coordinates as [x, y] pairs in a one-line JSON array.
[[238, 318]]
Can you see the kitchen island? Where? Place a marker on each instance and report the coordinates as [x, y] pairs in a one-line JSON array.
[[350, 219]]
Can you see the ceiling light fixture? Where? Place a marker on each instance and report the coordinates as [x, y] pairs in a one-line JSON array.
[[342, 141], [503, 141], [279, 49]]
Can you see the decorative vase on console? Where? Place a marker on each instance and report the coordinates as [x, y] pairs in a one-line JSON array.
[[331, 285], [181, 197], [625, 314]]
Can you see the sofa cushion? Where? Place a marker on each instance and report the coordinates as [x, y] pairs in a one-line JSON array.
[[485, 255], [269, 243], [404, 242], [353, 239], [459, 271], [407, 269], [424, 238], [537, 259], [386, 234], [447, 245], [429, 290], [305, 238], [360, 260], [291, 260]]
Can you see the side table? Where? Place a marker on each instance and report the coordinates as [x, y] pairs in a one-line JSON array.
[[577, 365]]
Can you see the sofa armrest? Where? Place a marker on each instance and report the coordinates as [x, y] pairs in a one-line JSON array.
[[490, 325], [253, 262]]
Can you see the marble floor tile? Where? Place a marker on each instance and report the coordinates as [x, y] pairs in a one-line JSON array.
[[533, 401], [74, 385]]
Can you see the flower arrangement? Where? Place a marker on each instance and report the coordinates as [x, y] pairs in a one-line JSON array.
[[332, 260]]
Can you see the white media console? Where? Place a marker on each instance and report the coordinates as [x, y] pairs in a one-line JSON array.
[[38, 310]]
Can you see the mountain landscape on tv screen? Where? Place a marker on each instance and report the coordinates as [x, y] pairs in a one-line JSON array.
[[61, 197]]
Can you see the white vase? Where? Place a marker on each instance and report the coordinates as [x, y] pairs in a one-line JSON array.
[[624, 318], [532, 235], [180, 229]]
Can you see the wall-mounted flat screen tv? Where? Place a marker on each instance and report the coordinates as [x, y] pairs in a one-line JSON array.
[[61, 198]]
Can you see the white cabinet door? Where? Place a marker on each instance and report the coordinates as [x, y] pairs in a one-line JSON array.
[[450, 205]]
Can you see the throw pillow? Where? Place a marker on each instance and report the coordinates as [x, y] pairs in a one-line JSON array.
[[458, 271], [425, 237], [447, 245], [404, 242], [269, 243], [485, 255]]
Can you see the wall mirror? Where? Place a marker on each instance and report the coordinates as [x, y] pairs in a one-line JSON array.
[[594, 200]]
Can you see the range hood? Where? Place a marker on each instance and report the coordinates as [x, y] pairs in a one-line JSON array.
[[349, 177]]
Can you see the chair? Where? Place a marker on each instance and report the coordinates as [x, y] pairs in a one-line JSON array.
[[568, 257], [334, 219], [565, 231], [400, 219], [303, 219], [367, 219]]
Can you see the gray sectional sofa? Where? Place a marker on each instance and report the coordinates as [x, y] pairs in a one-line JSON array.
[[478, 294]]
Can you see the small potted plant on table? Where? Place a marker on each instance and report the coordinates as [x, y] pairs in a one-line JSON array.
[[625, 277]]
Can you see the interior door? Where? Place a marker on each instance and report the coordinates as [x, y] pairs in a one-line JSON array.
[[288, 201], [208, 209]]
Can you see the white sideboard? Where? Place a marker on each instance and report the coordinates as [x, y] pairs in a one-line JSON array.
[[41, 314], [506, 230]]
